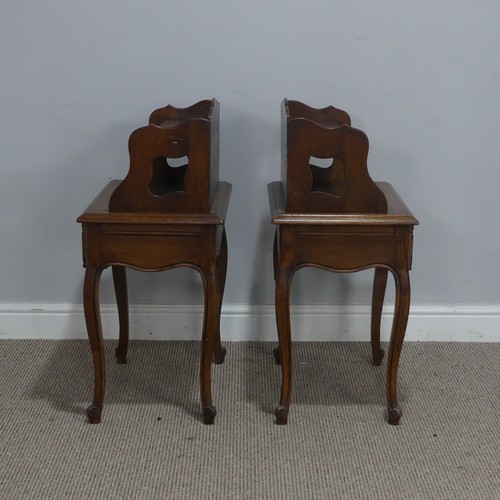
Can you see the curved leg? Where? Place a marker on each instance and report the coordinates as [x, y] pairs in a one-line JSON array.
[[400, 320], [210, 326], [219, 351], [379, 284], [284, 351], [276, 350], [94, 331], [275, 254], [120, 284]]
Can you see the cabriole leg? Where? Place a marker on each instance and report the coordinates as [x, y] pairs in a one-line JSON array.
[[120, 284], [210, 325], [379, 285], [94, 331], [284, 353], [276, 350], [401, 311], [218, 350], [275, 253]]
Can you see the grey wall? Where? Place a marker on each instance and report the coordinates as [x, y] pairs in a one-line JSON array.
[[422, 79]]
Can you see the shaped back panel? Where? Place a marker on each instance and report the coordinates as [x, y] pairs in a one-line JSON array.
[[202, 109], [324, 163], [174, 162], [329, 116]]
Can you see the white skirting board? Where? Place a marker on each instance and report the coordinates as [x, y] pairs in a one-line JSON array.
[[465, 323]]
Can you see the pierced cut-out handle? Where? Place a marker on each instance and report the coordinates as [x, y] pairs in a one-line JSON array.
[[314, 161], [328, 176], [168, 175], [177, 162]]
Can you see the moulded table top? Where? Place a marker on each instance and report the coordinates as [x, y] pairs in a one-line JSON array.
[[397, 213], [98, 210]]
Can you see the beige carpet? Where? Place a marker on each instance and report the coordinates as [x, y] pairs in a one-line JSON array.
[[151, 443]]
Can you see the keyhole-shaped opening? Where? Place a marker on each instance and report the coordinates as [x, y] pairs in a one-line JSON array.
[[328, 176], [168, 175]]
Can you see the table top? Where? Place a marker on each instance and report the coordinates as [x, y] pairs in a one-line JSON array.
[[397, 213], [98, 210]]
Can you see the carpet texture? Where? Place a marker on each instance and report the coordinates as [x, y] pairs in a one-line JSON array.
[[151, 443]]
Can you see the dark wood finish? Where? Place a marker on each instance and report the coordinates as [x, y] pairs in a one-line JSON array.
[[368, 227], [153, 242], [325, 133], [152, 184], [127, 226]]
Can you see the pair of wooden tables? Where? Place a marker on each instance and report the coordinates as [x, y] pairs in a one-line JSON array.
[[170, 211]]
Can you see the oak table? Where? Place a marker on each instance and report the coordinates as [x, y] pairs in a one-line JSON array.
[[336, 218], [161, 217]]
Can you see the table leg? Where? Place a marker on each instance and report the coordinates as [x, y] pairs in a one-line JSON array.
[[276, 350], [120, 284], [275, 254], [401, 311], [218, 350], [210, 325], [94, 331], [284, 354], [379, 285]]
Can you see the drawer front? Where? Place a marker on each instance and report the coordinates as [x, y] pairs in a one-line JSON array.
[[344, 251], [151, 251]]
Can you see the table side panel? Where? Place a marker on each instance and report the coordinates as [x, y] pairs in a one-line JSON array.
[[345, 248], [151, 248]]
